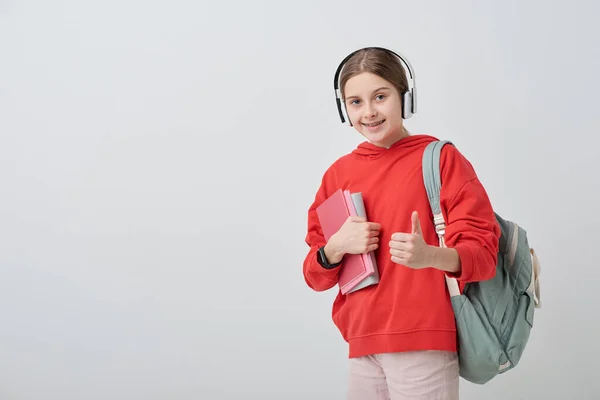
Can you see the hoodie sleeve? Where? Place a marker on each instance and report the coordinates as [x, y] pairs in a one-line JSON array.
[[317, 277], [471, 226]]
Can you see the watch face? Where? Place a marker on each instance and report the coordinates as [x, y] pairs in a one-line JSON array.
[[321, 258]]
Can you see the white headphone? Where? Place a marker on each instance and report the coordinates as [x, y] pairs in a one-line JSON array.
[[409, 98]]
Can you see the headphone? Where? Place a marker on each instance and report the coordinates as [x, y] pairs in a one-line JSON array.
[[409, 99]]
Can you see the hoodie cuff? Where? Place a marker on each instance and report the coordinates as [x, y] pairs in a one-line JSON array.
[[466, 256]]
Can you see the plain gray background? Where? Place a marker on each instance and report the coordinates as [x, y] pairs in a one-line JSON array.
[[157, 161]]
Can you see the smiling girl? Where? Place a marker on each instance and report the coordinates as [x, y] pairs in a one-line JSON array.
[[401, 332]]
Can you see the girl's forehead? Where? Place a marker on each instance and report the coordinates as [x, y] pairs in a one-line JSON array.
[[366, 82]]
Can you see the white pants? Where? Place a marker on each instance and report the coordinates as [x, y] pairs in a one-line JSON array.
[[417, 375]]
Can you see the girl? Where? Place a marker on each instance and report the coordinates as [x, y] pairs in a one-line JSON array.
[[401, 332]]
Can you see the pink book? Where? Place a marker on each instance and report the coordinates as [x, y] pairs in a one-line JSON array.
[[332, 214]]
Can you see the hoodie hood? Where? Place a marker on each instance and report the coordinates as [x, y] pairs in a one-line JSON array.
[[368, 149]]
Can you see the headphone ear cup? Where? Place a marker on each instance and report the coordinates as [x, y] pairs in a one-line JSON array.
[[346, 116], [407, 105]]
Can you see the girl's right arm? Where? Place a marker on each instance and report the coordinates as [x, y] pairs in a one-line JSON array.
[[317, 277]]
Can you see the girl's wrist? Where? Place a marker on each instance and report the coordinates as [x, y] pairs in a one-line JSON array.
[[445, 259], [333, 253]]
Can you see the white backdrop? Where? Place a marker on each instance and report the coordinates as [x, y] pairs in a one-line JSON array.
[[157, 160]]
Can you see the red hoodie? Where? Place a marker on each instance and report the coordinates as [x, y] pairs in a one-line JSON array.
[[408, 309]]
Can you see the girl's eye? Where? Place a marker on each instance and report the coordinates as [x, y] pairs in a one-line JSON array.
[[380, 97], [355, 102]]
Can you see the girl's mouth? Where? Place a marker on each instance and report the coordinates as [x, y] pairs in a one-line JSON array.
[[374, 124]]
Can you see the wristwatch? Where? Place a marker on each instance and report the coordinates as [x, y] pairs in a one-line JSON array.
[[322, 259]]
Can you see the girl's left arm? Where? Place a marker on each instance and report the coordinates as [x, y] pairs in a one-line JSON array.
[[472, 231]]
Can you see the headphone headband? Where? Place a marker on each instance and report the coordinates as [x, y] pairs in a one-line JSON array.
[[409, 98]]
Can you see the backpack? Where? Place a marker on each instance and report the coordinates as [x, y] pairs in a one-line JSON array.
[[493, 317]]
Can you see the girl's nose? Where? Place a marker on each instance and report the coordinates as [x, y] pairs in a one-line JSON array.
[[370, 111]]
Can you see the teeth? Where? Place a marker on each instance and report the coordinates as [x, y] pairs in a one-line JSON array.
[[374, 124]]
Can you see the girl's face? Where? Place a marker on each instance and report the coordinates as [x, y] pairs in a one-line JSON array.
[[374, 108]]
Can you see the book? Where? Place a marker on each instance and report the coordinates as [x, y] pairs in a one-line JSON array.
[[357, 270], [368, 258]]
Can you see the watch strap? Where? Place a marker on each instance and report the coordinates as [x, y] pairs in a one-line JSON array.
[[322, 258]]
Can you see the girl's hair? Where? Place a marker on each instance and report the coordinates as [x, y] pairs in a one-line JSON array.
[[378, 62]]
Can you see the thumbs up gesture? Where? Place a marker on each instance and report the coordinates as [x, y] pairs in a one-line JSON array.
[[410, 249]]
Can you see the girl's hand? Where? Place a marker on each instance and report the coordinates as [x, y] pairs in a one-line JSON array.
[[355, 236], [410, 249]]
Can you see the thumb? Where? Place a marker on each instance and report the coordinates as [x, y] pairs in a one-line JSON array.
[[416, 224]]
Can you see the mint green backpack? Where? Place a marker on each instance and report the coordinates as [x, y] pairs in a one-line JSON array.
[[493, 317]]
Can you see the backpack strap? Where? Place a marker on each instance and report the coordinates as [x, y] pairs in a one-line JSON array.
[[433, 185]]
